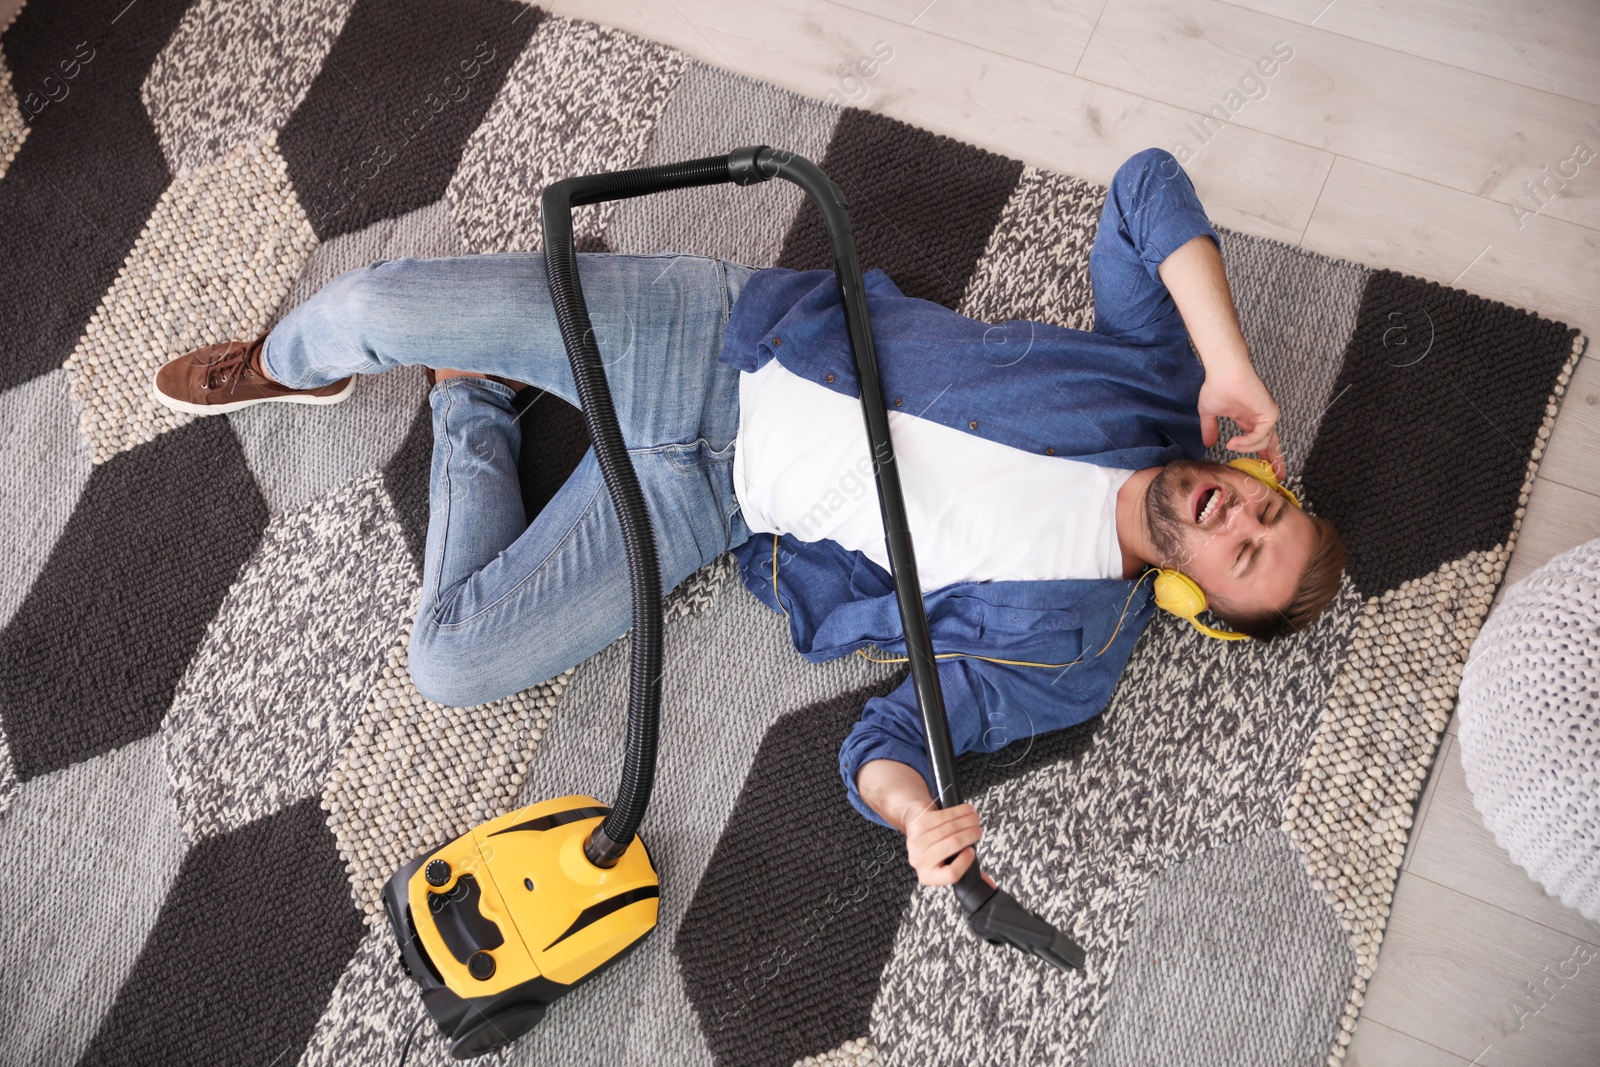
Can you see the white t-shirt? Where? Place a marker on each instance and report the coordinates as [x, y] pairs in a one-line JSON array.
[[978, 510]]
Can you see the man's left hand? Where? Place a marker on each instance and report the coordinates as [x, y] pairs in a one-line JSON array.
[[1237, 392]]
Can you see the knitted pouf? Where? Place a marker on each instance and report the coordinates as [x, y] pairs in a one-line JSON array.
[[1530, 726]]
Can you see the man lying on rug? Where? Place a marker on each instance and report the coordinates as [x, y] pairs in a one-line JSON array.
[[1045, 469]]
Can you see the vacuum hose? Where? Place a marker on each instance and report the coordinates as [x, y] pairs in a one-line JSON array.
[[612, 838], [993, 914]]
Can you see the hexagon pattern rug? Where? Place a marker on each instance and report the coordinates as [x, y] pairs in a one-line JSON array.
[[209, 737]]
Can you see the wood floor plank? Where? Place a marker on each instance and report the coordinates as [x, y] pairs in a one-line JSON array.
[[1489, 986], [1248, 180], [1573, 454], [906, 11], [1455, 849], [1376, 1045], [1305, 12], [1425, 802], [1414, 116], [1052, 35], [1559, 517], [1378, 217], [1546, 46]]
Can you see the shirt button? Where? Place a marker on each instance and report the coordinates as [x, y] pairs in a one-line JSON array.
[[830, 377], [898, 401], [1050, 450], [973, 425], [777, 341]]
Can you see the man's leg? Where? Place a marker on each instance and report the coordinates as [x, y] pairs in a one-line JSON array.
[[1151, 211], [493, 314], [505, 607]]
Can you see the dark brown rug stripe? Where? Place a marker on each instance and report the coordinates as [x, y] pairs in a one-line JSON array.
[[1423, 452], [784, 943], [87, 176], [92, 658], [382, 129], [922, 205], [554, 440], [794, 918], [122, 41], [251, 940], [405, 478]]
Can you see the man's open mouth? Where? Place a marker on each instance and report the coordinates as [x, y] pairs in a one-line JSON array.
[[1206, 503]]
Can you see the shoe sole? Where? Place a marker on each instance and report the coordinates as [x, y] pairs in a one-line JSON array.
[[222, 409]]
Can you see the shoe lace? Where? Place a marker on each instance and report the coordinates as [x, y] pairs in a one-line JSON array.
[[231, 366]]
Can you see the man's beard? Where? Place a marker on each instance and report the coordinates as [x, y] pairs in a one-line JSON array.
[[1164, 523]]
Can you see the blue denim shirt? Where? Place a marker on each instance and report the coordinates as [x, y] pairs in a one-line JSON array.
[[1125, 401]]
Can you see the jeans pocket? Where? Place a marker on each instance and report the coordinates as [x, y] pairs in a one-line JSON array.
[[684, 458]]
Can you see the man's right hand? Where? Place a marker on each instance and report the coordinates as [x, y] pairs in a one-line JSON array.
[[934, 835], [899, 794]]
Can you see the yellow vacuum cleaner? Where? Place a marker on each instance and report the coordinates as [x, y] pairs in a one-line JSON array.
[[500, 922], [504, 919]]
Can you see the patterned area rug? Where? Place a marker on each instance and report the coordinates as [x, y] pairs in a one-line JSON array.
[[212, 753]]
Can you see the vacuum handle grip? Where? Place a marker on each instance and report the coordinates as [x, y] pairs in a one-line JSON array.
[[971, 890], [994, 914]]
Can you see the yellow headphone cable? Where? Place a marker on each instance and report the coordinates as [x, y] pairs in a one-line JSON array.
[[1126, 604]]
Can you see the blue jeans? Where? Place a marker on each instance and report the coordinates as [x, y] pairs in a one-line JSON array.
[[506, 604]]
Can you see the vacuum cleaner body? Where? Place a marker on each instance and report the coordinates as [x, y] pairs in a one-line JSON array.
[[500, 922]]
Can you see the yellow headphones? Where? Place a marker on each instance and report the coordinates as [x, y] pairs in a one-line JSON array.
[[1178, 593]]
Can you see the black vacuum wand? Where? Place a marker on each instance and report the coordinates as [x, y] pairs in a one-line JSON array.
[[994, 914]]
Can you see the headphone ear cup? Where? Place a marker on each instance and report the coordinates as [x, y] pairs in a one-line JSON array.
[[1177, 593]]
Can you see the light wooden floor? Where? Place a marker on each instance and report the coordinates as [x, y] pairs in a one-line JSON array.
[[1397, 135]]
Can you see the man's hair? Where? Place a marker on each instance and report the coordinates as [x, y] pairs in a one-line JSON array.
[[1319, 584]]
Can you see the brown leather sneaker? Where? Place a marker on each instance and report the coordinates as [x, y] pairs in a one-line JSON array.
[[217, 379]]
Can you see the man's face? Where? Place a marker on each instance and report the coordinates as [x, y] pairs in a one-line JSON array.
[[1243, 542]]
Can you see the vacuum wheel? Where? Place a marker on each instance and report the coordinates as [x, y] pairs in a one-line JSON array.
[[485, 1033]]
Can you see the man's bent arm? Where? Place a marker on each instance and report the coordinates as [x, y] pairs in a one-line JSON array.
[[895, 790], [1195, 277]]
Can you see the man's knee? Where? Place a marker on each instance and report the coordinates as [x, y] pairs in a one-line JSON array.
[[347, 297], [328, 322], [1144, 166], [435, 672]]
